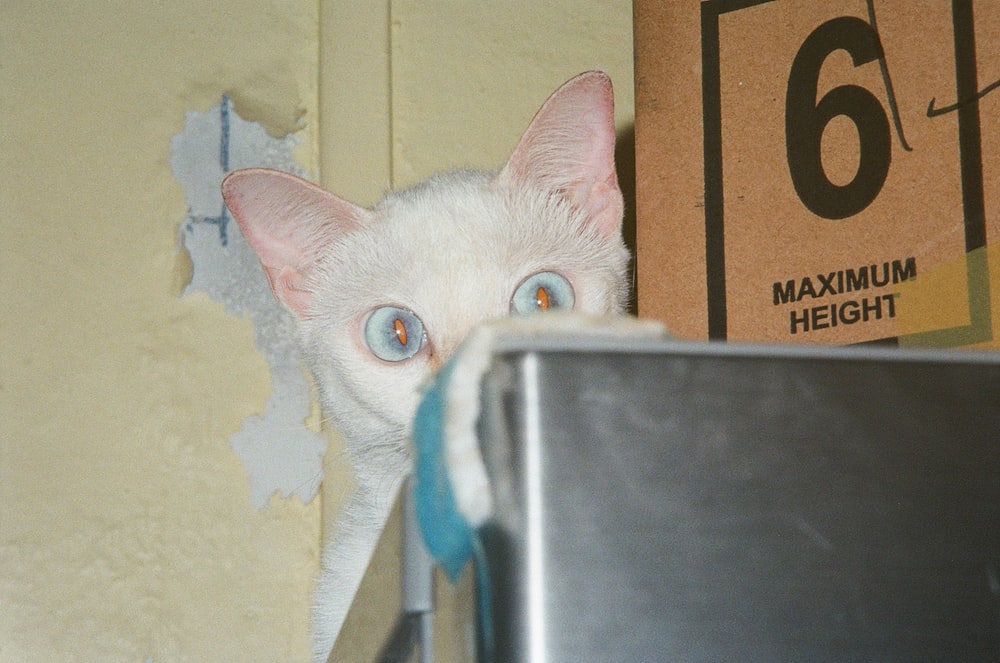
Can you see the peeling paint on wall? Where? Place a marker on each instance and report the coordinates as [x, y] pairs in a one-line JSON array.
[[279, 452]]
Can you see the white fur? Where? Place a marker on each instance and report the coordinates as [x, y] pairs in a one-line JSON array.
[[452, 250]]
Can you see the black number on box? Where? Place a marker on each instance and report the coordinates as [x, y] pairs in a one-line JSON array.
[[806, 119]]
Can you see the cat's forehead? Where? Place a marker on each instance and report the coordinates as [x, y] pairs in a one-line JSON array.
[[452, 219], [452, 200], [456, 246], [461, 240]]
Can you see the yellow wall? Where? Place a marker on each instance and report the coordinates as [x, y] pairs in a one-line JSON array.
[[125, 526], [126, 530]]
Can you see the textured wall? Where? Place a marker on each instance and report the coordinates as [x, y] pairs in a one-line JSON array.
[[126, 528], [462, 97]]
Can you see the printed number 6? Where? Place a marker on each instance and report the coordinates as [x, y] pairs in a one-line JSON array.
[[805, 121]]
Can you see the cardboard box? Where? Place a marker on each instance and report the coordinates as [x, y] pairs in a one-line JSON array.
[[819, 172]]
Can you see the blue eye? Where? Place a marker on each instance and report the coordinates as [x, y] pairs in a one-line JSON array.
[[544, 291], [393, 333]]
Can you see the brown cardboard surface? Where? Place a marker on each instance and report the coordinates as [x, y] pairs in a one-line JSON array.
[[819, 172]]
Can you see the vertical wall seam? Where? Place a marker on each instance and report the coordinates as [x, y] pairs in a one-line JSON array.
[[390, 82], [317, 130], [354, 98]]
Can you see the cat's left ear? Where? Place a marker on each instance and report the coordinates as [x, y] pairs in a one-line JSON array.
[[569, 149], [289, 222]]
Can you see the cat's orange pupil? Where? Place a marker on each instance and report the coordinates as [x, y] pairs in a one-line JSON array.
[[400, 330], [542, 299]]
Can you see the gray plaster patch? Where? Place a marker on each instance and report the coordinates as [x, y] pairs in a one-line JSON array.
[[280, 453]]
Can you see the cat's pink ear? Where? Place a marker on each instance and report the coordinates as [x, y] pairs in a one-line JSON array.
[[288, 222], [569, 148]]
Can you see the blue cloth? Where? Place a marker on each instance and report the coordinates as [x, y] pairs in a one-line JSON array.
[[446, 532], [448, 536]]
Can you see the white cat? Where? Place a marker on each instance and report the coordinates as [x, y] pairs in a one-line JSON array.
[[382, 296]]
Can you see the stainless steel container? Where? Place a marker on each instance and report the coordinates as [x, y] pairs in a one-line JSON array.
[[678, 502]]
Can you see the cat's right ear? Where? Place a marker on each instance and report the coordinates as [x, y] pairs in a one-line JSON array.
[[289, 222]]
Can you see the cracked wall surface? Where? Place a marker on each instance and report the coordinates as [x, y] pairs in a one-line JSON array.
[[280, 454], [127, 531]]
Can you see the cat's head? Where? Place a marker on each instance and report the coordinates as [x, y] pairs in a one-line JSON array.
[[382, 296]]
